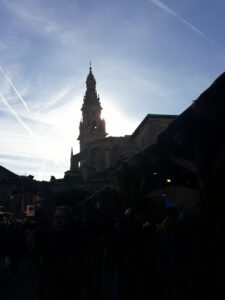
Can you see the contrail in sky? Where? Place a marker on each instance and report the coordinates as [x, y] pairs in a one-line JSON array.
[[15, 89], [16, 115], [23, 124], [173, 13]]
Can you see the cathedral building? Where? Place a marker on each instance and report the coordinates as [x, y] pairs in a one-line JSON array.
[[100, 153]]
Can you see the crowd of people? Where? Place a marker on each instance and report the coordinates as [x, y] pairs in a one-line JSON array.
[[132, 257]]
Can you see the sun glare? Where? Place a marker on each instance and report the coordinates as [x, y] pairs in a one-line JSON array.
[[117, 123], [56, 144]]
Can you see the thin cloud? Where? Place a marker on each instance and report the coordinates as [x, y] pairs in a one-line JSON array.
[[14, 88], [173, 13], [16, 115], [43, 22], [56, 98]]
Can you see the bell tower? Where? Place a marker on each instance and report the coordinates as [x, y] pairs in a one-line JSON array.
[[92, 126]]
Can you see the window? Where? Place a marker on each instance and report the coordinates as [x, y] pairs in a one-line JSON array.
[[107, 159], [93, 158], [94, 125]]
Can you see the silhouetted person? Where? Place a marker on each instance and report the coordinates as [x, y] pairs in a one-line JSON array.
[[168, 253], [61, 259], [135, 256], [16, 246], [92, 251], [184, 258]]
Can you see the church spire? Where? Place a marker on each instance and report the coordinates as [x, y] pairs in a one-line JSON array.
[[92, 127], [90, 81]]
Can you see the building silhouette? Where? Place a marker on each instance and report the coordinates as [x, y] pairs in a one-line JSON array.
[[100, 154], [90, 169]]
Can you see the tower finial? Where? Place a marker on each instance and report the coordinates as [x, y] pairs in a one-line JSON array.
[[90, 65]]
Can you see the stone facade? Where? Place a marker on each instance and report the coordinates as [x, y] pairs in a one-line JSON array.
[[99, 153], [149, 129]]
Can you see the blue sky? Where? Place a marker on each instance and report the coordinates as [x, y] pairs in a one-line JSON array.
[[148, 56]]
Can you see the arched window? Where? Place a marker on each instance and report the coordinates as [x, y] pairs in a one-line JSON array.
[[93, 158], [94, 125], [115, 153], [107, 159]]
